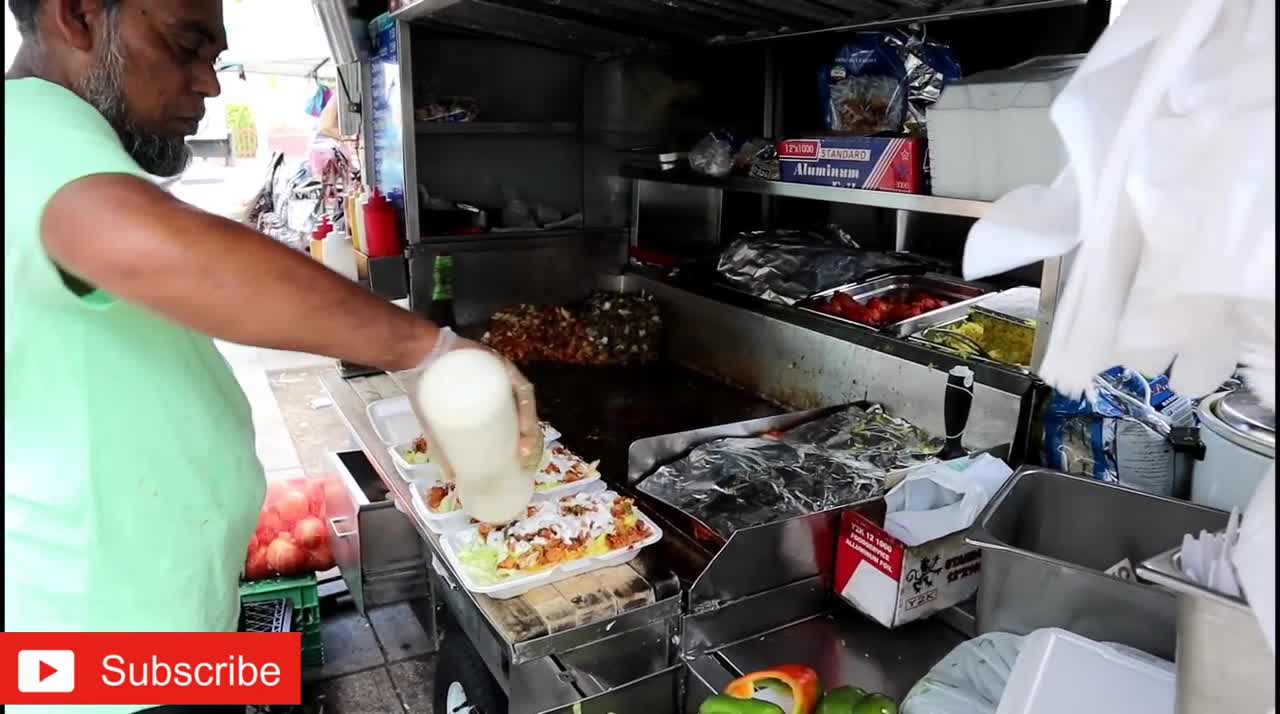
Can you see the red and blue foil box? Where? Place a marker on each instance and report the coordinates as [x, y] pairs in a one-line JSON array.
[[875, 163]]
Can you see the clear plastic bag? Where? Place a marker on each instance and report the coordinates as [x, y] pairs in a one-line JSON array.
[[969, 680], [292, 537], [866, 105], [713, 155]]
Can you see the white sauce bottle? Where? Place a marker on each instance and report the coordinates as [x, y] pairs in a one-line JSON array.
[[466, 398]]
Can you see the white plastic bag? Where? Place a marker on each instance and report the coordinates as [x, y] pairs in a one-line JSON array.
[[940, 499], [1255, 557], [969, 680]]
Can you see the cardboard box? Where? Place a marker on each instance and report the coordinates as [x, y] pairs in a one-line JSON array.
[[894, 584], [868, 162]]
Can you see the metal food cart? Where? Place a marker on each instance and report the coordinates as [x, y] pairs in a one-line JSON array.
[[563, 87]]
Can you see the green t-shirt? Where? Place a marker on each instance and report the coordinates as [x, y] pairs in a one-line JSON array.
[[131, 486]]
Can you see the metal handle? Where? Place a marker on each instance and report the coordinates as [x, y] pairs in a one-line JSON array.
[[955, 411], [333, 523], [443, 571]]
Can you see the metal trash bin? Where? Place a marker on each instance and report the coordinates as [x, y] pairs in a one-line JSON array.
[[1224, 664], [1047, 540]]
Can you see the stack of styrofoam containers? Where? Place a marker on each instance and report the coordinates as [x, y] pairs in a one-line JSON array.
[[1058, 672], [990, 133]]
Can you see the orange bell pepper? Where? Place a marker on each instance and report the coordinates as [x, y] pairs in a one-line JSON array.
[[799, 681]]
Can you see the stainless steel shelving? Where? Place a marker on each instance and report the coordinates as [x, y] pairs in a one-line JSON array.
[[878, 199], [514, 128]]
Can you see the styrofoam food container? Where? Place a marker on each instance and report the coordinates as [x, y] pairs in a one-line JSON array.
[[409, 471], [515, 587], [393, 420], [439, 523], [1058, 672]]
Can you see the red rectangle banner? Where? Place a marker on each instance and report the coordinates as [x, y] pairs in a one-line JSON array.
[[150, 668]]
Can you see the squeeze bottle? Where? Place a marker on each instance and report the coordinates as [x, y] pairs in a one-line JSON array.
[[339, 255], [466, 398]]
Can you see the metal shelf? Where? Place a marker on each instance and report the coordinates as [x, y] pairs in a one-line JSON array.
[[858, 197], [515, 128], [611, 28], [494, 239]]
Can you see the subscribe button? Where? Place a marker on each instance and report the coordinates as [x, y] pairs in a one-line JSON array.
[[150, 668]]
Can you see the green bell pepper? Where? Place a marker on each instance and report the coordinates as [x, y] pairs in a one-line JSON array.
[[841, 700], [723, 704], [876, 704]]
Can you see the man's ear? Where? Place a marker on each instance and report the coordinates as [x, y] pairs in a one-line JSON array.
[[73, 21]]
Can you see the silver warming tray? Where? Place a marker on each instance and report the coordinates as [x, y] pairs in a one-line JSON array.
[[961, 295], [920, 337]]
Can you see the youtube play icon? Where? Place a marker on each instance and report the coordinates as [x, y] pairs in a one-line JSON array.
[[46, 671]]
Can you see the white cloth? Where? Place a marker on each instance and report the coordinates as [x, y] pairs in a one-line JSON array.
[[1168, 202]]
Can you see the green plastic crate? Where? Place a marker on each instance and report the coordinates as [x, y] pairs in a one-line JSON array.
[[302, 591], [311, 638], [313, 657]]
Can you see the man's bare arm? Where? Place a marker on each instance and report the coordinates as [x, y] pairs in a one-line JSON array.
[[125, 236]]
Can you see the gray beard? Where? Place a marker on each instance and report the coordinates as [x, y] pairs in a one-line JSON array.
[[103, 88]]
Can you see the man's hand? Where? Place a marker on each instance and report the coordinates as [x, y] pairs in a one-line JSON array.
[[530, 444]]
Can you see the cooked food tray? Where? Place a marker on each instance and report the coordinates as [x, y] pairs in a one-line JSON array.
[[454, 544], [923, 337], [958, 294]]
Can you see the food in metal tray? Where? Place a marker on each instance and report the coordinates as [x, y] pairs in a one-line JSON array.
[[1013, 340], [882, 310], [735, 483], [970, 337], [551, 533], [607, 328], [560, 467]]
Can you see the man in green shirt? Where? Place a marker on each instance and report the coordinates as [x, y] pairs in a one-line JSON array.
[[131, 483]]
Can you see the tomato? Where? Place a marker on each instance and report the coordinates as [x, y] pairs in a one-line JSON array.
[[275, 489], [269, 525], [320, 558], [256, 566], [292, 505], [843, 302], [309, 532], [315, 496], [284, 557]]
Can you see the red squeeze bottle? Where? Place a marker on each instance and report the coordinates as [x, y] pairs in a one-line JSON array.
[[381, 230]]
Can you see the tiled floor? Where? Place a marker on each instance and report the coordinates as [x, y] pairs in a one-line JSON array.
[[375, 665]]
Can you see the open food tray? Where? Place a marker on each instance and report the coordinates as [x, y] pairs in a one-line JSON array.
[[517, 586], [393, 420], [441, 523], [960, 294], [920, 338], [409, 471]]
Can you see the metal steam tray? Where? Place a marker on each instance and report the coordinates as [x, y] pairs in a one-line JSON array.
[[960, 293], [920, 338]]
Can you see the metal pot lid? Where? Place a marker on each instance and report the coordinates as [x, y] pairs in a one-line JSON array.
[[1241, 411]]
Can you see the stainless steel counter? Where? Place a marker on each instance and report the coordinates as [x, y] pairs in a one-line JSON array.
[[848, 649], [519, 639]]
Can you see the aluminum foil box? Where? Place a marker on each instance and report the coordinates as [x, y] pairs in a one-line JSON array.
[[867, 162], [893, 583]]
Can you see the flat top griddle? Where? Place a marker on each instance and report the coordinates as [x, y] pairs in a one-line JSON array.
[[602, 410]]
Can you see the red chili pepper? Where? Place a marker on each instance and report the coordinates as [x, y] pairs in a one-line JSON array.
[[802, 683]]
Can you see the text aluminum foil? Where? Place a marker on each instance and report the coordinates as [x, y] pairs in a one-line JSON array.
[[734, 483]]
